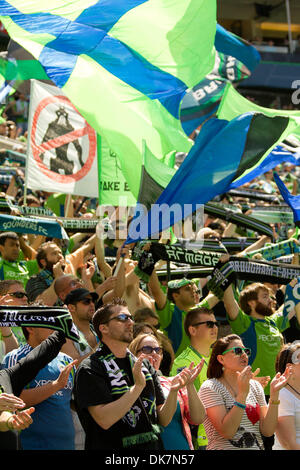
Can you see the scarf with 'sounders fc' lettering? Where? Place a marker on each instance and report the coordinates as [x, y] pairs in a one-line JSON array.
[[56, 318]]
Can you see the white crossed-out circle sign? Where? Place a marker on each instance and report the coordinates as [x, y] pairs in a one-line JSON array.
[[40, 121]]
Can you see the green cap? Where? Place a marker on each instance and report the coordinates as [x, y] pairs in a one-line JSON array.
[[177, 283]]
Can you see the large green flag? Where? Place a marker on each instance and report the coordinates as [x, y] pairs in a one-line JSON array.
[[125, 65], [113, 188], [233, 104]]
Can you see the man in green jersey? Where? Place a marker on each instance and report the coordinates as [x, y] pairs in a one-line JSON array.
[[10, 266], [173, 306], [201, 328], [254, 319]]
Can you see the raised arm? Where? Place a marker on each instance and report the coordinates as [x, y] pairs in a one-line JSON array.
[[156, 291], [230, 303]]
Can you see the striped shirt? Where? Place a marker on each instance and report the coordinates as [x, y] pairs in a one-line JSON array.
[[247, 437]]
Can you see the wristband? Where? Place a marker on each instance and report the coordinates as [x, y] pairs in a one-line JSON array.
[[8, 336], [240, 405], [274, 402]]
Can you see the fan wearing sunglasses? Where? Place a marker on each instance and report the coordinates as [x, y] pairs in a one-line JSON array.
[[237, 414], [189, 409], [119, 399], [11, 293], [201, 328]]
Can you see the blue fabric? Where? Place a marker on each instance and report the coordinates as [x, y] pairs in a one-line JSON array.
[[174, 329], [52, 427], [278, 155], [230, 44], [290, 199], [86, 36], [172, 436], [207, 171]]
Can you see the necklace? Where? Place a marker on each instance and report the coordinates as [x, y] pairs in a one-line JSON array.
[[294, 389], [232, 390]]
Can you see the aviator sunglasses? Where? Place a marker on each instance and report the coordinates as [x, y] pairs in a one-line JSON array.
[[122, 317], [18, 294], [238, 351], [150, 349]]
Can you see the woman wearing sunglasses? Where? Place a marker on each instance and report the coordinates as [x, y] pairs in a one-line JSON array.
[[177, 435], [287, 435], [236, 410]]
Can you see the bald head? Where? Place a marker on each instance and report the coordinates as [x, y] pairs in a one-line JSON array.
[[65, 284]]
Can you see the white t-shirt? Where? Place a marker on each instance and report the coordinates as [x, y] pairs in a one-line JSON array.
[[289, 406], [247, 437]]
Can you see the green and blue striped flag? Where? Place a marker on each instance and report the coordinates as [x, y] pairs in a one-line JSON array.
[[233, 104], [125, 65]]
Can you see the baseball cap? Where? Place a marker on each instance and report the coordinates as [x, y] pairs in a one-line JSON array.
[[79, 294], [177, 283]]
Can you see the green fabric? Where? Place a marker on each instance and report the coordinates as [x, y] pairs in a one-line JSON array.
[[233, 104], [264, 338], [56, 202], [177, 37], [112, 184], [17, 270]]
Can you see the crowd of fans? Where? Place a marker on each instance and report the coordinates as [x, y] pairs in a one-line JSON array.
[[162, 364]]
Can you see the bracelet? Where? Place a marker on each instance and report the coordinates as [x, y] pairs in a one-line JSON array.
[[11, 428], [8, 336], [240, 405], [274, 402]]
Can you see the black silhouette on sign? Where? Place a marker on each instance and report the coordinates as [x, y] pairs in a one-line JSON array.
[[57, 128]]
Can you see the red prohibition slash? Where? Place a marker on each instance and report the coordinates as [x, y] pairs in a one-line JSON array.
[[37, 150]]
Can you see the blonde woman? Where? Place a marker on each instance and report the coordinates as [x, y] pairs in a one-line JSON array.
[[177, 435]]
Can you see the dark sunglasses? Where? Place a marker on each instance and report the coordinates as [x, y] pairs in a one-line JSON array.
[[86, 301], [238, 351], [209, 323], [150, 349], [18, 295], [122, 317]]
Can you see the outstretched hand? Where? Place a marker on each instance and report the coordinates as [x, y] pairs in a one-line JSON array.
[[186, 376], [280, 381]]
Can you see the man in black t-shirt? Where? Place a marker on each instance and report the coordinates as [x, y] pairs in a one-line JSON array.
[[118, 397]]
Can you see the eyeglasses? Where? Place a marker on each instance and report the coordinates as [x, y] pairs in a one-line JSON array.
[[150, 349], [238, 351], [122, 317], [18, 295], [86, 301], [209, 323]]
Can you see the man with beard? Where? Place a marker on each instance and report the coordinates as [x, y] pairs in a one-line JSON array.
[[118, 397], [53, 265], [81, 305], [254, 319]]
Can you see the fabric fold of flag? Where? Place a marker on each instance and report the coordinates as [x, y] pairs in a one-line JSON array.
[[235, 61], [290, 199], [234, 104], [222, 151]]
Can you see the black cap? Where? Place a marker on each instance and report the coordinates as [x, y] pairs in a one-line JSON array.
[[79, 294]]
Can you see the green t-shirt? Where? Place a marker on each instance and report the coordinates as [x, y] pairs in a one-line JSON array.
[[264, 338], [17, 270], [184, 360]]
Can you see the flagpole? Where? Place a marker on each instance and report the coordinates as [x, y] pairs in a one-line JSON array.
[[28, 144], [99, 146], [288, 14]]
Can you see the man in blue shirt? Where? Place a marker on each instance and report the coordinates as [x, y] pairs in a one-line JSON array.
[[50, 393]]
